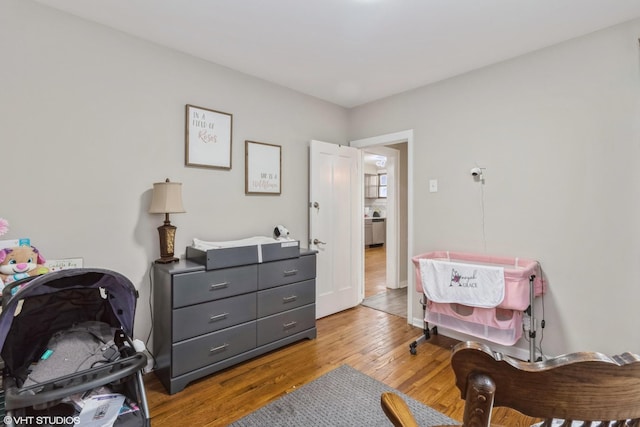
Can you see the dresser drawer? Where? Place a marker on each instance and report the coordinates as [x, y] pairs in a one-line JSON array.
[[201, 286], [212, 316], [211, 348], [278, 326], [277, 273], [282, 298]]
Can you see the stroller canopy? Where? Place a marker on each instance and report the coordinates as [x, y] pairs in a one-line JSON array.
[[121, 293]]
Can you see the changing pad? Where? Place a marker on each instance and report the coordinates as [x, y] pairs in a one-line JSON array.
[[249, 241], [247, 251]]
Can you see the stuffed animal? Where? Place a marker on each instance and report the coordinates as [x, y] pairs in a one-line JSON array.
[[19, 262]]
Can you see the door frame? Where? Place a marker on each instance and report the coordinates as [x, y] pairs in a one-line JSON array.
[[387, 139], [392, 220]]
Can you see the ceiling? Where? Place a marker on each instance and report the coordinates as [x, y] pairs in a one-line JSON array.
[[350, 52], [372, 158]]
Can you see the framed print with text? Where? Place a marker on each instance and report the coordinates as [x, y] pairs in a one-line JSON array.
[[208, 138], [262, 168]]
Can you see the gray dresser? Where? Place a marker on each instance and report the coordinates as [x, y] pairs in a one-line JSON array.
[[208, 320]]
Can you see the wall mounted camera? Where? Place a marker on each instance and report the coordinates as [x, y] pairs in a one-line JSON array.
[[478, 174], [280, 231]]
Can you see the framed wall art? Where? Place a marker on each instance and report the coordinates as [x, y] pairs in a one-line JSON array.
[[262, 168], [208, 138]]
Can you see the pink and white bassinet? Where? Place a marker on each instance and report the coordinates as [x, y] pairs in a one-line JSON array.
[[501, 323]]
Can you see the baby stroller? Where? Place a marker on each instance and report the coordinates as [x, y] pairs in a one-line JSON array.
[[67, 352]]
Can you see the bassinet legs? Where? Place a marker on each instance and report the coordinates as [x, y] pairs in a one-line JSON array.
[[422, 338], [426, 332], [531, 328]]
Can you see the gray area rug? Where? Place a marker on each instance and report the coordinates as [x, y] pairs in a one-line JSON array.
[[342, 397]]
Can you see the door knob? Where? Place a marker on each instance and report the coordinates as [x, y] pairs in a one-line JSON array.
[[318, 242]]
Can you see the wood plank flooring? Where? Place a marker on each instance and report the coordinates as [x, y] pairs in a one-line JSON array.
[[375, 271], [377, 295], [374, 342]]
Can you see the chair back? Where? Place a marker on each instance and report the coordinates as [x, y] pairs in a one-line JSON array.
[[582, 386]]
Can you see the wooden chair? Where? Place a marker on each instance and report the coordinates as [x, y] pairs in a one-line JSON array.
[[581, 386]]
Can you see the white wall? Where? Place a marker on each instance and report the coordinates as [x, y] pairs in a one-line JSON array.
[[91, 117], [559, 133]]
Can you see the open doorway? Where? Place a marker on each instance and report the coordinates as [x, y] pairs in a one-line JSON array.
[[398, 258], [385, 177], [374, 165]]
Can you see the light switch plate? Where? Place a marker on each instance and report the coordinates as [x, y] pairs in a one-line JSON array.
[[433, 185]]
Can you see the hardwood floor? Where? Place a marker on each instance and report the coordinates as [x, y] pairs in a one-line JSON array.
[[375, 271], [377, 295], [374, 342]]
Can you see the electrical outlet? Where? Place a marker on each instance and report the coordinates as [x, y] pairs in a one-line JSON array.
[[526, 322], [538, 324], [149, 366]]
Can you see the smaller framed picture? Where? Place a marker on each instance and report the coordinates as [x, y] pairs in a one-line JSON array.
[[262, 168], [208, 138]]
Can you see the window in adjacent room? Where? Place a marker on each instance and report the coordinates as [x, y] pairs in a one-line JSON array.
[[382, 185]]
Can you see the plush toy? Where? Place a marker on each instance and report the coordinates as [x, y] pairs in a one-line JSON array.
[[19, 262]]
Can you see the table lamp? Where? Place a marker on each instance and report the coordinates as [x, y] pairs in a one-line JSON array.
[[167, 199]]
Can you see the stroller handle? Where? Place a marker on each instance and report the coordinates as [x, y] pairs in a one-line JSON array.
[[75, 383]]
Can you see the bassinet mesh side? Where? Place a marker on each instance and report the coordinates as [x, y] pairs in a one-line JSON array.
[[43, 315]]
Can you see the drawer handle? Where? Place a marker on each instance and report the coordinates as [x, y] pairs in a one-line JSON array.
[[219, 286], [219, 348], [289, 299], [218, 317], [290, 272], [290, 325]]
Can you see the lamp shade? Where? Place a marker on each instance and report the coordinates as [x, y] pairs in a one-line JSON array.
[[167, 198]]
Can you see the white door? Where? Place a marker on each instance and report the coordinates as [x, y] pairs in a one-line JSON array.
[[335, 225]]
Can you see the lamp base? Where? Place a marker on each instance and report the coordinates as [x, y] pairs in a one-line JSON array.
[[166, 260], [167, 234]]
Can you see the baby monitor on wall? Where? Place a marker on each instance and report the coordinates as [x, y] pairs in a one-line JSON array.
[[280, 231]]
